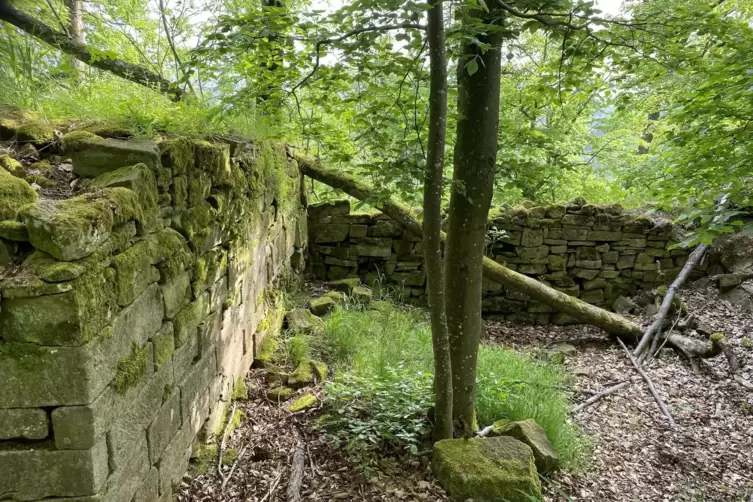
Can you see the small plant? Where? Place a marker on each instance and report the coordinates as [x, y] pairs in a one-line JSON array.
[[386, 413]]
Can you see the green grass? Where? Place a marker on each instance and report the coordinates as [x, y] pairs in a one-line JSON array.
[[371, 343]]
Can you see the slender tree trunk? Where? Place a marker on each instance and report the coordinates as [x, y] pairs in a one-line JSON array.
[[76, 26], [432, 225], [473, 183]]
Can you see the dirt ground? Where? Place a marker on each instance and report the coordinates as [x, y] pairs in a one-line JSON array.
[[636, 455]]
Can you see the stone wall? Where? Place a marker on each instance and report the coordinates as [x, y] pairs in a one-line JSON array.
[[596, 253], [131, 307]]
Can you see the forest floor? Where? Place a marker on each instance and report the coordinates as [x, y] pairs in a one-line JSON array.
[[636, 455]]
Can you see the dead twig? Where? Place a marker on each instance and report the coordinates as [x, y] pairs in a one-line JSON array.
[[601, 395], [225, 480], [650, 384], [485, 431], [272, 488]]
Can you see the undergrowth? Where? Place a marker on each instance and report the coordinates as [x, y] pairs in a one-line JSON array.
[[382, 390]]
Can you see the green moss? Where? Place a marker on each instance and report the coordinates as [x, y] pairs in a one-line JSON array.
[[178, 154], [95, 299], [11, 118], [42, 181], [214, 158], [302, 403], [131, 369], [134, 272], [268, 347], [124, 203], [194, 220], [11, 165], [12, 230], [76, 140], [15, 193], [164, 346], [229, 456], [138, 178], [280, 394], [42, 166], [187, 320], [240, 391], [171, 252], [35, 132], [716, 337], [205, 457], [226, 427], [49, 269], [118, 131]]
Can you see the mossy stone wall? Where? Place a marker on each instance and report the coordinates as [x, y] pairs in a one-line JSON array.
[[129, 311], [593, 252]]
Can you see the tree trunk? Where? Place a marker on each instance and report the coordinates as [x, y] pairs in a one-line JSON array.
[[432, 225], [475, 158], [66, 44], [76, 25]]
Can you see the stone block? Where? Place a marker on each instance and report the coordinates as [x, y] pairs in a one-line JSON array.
[[92, 155], [533, 269], [174, 462], [176, 292], [358, 231], [557, 262], [54, 376], [164, 345], [23, 423], [194, 405], [149, 489], [610, 257], [134, 272], [633, 242], [332, 208], [139, 178], [577, 220], [385, 228], [538, 307], [409, 279], [68, 229], [645, 266], [533, 253], [501, 305], [188, 319], [164, 426], [594, 296], [583, 273], [125, 481], [625, 261], [184, 356], [602, 248], [71, 318], [594, 284], [604, 236], [586, 253], [218, 294], [558, 249], [609, 274], [373, 250], [129, 427], [575, 234], [554, 234], [592, 264], [32, 474], [329, 233], [532, 237]]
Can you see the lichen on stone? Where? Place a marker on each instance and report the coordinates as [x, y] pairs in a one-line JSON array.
[[131, 369]]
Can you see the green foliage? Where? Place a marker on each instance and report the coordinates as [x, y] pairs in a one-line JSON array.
[[386, 413], [387, 352]]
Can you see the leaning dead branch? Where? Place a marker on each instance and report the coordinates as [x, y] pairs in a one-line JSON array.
[[226, 479], [666, 305], [651, 387]]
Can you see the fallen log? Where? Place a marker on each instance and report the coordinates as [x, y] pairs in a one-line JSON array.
[[586, 313]]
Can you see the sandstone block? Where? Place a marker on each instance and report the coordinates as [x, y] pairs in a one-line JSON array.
[[92, 155], [23, 423], [164, 426]]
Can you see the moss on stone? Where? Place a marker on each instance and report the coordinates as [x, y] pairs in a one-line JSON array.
[[49, 269], [194, 220], [76, 140], [12, 230], [716, 337], [11, 118], [164, 346], [205, 457], [138, 178], [229, 456], [68, 229], [11, 165], [302, 403], [214, 158], [15, 193], [110, 130], [240, 390], [37, 133], [131, 369], [228, 424], [40, 180], [167, 393], [280, 394], [178, 154], [134, 272], [308, 372], [170, 252], [124, 203], [268, 346]]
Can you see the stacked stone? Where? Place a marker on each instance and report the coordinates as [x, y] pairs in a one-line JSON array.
[[593, 252], [373, 247], [137, 307]]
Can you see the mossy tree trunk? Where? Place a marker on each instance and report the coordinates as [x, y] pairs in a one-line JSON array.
[[474, 162], [432, 224]]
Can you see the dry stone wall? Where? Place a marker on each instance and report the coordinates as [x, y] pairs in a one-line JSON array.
[[130, 311], [593, 252]]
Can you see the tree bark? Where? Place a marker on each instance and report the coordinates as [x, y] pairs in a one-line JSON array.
[[297, 469], [76, 25], [432, 224], [475, 158], [68, 45]]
